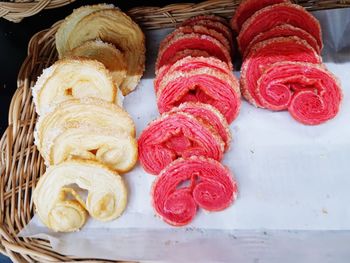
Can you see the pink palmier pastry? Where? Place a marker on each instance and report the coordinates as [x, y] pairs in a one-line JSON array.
[[210, 117], [214, 22], [206, 80], [199, 29], [264, 54], [275, 15], [178, 56], [192, 41], [211, 187], [310, 92], [247, 8], [188, 63], [176, 135], [284, 30]]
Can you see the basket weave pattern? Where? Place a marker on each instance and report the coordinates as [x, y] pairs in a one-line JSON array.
[[155, 17], [17, 10], [20, 162]]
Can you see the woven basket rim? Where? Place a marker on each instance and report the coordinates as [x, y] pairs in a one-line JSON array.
[[20, 163], [16, 11]]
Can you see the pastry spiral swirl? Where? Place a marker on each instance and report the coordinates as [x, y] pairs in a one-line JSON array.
[[73, 78], [112, 26], [176, 135], [70, 22], [61, 208], [275, 15], [113, 148], [111, 57], [210, 117], [79, 114], [263, 54], [211, 187], [310, 92], [198, 79], [247, 8]]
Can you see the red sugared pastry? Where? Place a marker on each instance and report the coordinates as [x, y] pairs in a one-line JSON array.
[[176, 135], [284, 30], [214, 22], [310, 92], [210, 117], [247, 8], [206, 80], [265, 53], [192, 41], [275, 15], [211, 187]]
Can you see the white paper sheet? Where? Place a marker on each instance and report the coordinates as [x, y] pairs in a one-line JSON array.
[[292, 178]]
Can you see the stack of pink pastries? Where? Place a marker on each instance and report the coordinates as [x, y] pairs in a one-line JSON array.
[[282, 69], [197, 96]]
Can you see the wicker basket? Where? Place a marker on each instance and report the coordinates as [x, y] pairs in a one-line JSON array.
[[153, 17], [16, 10], [20, 162]]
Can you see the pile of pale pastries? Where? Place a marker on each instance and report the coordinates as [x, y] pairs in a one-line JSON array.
[[84, 135]]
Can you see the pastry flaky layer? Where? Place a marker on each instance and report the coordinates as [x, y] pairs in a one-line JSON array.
[[60, 204], [89, 129], [107, 54], [73, 78], [113, 148], [71, 21], [112, 26]]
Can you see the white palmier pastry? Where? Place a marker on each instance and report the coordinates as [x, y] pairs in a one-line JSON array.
[[61, 207], [75, 112], [107, 54], [115, 27], [113, 148], [73, 78], [71, 21]]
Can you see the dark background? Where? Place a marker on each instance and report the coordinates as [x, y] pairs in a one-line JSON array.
[[14, 38]]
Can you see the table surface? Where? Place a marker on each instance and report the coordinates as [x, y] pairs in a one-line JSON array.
[[14, 38]]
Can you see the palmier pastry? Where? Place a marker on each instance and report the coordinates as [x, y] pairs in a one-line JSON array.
[[115, 27], [175, 135], [247, 8], [61, 207], [310, 92], [75, 113], [209, 116], [196, 41], [70, 22], [205, 80], [263, 54], [275, 15], [113, 148], [107, 54], [199, 29], [212, 22], [209, 185], [284, 30], [73, 78]]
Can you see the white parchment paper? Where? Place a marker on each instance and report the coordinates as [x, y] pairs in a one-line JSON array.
[[292, 179]]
